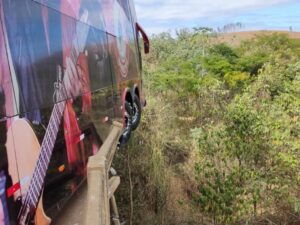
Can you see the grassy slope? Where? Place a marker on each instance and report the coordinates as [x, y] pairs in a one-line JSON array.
[[235, 38], [160, 165]]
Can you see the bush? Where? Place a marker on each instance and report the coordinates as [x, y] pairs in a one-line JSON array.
[[237, 79]]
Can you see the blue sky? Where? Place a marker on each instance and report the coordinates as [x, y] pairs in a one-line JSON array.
[[163, 15]]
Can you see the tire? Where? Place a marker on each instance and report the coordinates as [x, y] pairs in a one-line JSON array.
[[137, 112], [128, 124]]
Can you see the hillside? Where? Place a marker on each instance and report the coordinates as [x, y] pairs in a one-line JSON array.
[[219, 139], [235, 38]]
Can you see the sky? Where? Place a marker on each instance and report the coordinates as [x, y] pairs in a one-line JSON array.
[[168, 15]]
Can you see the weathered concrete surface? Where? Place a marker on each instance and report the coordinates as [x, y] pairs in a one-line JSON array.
[[98, 208]]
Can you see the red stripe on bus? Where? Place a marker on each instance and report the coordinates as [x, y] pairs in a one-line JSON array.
[[13, 189]]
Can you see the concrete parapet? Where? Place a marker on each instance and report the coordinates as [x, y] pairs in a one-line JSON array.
[[101, 189]]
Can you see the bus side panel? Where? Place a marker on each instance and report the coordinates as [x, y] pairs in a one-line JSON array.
[[8, 109], [8, 174], [123, 44], [53, 51], [125, 73], [137, 50], [87, 117], [49, 50], [132, 10], [35, 54]]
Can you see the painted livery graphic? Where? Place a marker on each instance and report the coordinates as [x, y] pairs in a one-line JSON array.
[[4, 217], [67, 68], [121, 31]]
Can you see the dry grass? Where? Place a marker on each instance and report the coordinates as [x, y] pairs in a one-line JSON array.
[[161, 171], [235, 38]]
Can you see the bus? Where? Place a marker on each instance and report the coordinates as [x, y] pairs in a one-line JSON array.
[[68, 69]]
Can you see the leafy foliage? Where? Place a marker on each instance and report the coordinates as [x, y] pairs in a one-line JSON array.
[[237, 110], [257, 136]]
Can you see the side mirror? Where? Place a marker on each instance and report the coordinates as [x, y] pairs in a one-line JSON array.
[[145, 38]]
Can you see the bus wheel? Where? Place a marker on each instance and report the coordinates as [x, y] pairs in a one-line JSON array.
[[137, 112], [128, 124]]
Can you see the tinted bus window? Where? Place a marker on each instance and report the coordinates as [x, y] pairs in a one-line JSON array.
[[34, 46], [86, 11]]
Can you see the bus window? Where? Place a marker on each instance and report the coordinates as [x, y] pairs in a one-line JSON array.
[[87, 11]]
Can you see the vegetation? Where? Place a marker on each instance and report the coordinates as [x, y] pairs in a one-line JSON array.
[[219, 142]]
